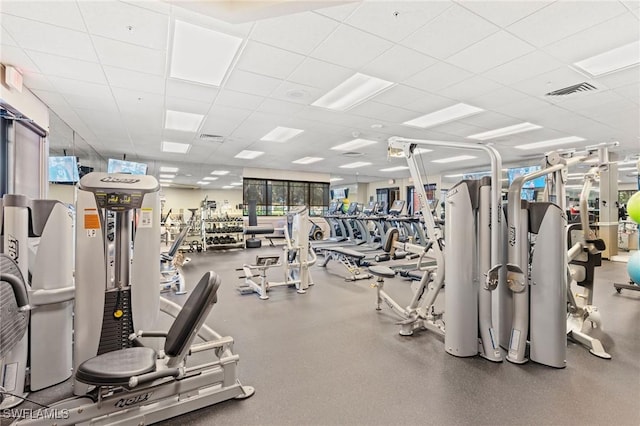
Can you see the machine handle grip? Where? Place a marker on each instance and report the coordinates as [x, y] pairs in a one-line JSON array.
[[19, 289], [155, 375]]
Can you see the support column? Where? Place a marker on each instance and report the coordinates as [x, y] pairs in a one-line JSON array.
[[608, 221]]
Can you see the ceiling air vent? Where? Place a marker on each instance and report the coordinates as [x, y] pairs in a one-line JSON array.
[[582, 87], [353, 154], [211, 138]]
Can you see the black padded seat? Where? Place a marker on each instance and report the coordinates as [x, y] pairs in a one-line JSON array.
[[347, 252], [259, 229], [382, 271], [415, 275], [117, 367]]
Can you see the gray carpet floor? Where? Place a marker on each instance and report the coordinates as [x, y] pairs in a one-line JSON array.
[[329, 358]]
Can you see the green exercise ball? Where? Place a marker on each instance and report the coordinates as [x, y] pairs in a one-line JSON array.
[[633, 207]]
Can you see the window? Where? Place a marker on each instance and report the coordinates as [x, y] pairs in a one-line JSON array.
[[275, 197]]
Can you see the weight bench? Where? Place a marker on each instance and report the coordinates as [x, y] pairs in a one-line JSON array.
[[138, 385], [350, 259], [254, 230], [263, 263]]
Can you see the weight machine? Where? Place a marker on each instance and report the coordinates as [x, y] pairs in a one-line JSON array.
[[298, 257], [37, 262]]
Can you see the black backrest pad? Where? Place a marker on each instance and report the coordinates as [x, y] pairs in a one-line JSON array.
[[178, 241], [194, 308], [13, 324]]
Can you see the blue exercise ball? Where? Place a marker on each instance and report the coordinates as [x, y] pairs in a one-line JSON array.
[[633, 268]]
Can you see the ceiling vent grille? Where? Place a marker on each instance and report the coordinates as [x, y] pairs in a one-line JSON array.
[[211, 138], [353, 154], [582, 87]]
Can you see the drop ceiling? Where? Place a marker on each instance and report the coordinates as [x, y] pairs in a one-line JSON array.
[[103, 68]]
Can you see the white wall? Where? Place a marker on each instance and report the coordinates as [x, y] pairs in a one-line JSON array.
[[25, 102], [285, 175], [178, 198], [63, 193]]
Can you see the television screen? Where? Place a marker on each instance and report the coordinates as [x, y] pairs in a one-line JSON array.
[[63, 169], [528, 194], [520, 171], [130, 167], [339, 193]]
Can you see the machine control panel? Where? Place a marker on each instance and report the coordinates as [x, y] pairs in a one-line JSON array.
[[119, 201]]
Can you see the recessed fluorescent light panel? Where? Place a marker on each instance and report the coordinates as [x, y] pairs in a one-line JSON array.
[[454, 176], [190, 62], [209, 178], [354, 144], [228, 187], [394, 169], [220, 172], [183, 121], [336, 179], [355, 165], [167, 176], [551, 142], [175, 147], [236, 184], [307, 160], [281, 134], [454, 159], [626, 169], [203, 183], [249, 155], [165, 180], [165, 184], [445, 115], [505, 131], [165, 169], [353, 91], [614, 60]]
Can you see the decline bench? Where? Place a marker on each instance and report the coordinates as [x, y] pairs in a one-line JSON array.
[[350, 259]]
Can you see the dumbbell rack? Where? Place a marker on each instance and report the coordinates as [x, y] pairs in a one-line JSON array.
[[223, 232]]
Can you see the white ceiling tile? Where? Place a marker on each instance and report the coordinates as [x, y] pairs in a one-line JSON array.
[[127, 23], [90, 102], [469, 88], [551, 81], [75, 87], [129, 56], [620, 78], [58, 66], [632, 4], [429, 103], [251, 83], [320, 74], [266, 60], [49, 38], [16, 57], [156, 6], [384, 112], [128, 79], [141, 103], [630, 91], [197, 92], [61, 13], [522, 107], [398, 64], [504, 13], [35, 81], [400, 95], [449, 33], [587, 100], [497, 49], [438, 77], [231, 98], [333, 122], [600, 38], [187, 105], [498, 97], [339, 13], [50, 98], [6, 39], [524, 67], [291, 92], [563, 18], [350, 47], [300, 32], [276, 106], [394, 20], [489, 120], [458, 129]]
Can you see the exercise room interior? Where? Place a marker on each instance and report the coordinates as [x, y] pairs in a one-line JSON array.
[[332, 212]]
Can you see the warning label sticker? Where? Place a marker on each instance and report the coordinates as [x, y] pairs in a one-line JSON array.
[[146, 218], [91, 219]]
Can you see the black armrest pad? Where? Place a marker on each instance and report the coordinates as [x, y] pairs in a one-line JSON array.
[[259, 229]]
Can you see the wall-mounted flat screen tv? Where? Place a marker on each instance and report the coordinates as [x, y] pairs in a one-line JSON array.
[[129, 167], [63, 169], [520, 171]]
